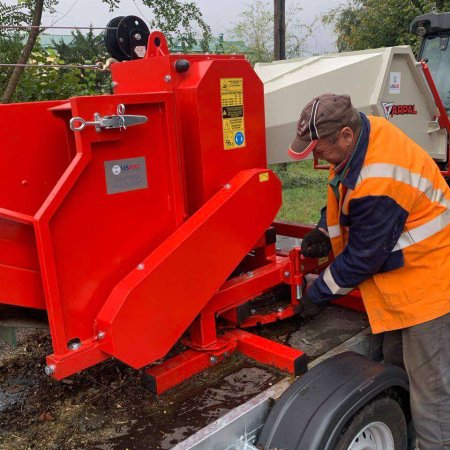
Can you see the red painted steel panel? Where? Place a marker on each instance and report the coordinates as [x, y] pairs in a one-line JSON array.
[[89, 239], [21, 287], [207, 164], [151, 308], [33, 154]]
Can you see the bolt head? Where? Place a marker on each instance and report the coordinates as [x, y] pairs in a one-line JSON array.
[[114, 84], [167, 78], [250, 274], [287, 274], [101, 335], [213, 359], [280, 310], [75, 346], [141, 266], [50, 369], [137, 36], [227, 186], [253, 311]]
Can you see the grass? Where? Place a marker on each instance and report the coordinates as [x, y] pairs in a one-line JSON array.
[[304, 191]]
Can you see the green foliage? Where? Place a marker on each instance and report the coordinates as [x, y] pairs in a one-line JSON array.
[[362, 24], [86, 49], [256, 27], [12, 15], [177, 20], [304, 191], [41, 83]]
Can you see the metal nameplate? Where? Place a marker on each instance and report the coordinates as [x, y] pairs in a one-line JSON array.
[[124, 175]]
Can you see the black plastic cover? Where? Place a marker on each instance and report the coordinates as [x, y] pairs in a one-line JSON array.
[[312, 412], [434, 23]]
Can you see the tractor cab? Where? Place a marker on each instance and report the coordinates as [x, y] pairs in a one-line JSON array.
[[434, 28]]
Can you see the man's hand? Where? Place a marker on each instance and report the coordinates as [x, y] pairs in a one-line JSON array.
[[316, 244], [307, 309]]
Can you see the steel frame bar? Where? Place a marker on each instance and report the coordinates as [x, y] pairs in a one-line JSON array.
[[444, 122], [170, 373]]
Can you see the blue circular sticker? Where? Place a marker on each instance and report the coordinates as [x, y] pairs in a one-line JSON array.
[[239, 138]]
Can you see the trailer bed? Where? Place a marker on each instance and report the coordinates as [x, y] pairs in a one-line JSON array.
[[108, 407]]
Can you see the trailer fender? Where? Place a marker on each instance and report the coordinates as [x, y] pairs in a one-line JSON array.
[[313, 411]]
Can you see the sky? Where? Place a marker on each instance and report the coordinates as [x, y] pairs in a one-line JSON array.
[[220, 15]]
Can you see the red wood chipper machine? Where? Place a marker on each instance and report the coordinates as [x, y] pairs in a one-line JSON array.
[[136, 220]]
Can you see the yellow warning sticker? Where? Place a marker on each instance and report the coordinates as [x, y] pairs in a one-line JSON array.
[[263, 177], [232, 96]]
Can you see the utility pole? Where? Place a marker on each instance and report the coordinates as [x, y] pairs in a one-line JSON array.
[[279, 29]]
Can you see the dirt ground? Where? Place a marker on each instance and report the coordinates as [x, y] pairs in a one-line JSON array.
[[108, 407]]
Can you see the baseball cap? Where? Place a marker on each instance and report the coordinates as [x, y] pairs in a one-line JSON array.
[[323, 116]]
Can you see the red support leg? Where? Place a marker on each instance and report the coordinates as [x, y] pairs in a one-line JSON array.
[[269, 352], [183, 366]]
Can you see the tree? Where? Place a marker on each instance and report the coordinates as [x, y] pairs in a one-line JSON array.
[[174, 17], [85, 49], [36, 14], [255, 29], [363, 24]]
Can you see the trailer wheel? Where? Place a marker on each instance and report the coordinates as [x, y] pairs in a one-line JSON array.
[[380, 424]]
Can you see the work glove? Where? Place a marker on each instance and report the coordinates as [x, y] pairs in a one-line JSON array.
[[307, 309], [316, 244]]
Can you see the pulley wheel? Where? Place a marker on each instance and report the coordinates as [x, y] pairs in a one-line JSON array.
[[132, 32], [112, 41]]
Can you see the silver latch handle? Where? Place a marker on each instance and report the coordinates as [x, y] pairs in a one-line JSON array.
[[118, 121]]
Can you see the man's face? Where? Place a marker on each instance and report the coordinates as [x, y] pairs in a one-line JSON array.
[[334, 150]]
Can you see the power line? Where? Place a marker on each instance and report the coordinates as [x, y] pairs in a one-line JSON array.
[[28, 27]]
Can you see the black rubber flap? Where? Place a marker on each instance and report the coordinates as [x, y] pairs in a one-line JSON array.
[[312, 412]]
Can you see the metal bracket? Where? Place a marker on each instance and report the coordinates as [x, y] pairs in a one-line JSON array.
[[433, 125], [108, 122]]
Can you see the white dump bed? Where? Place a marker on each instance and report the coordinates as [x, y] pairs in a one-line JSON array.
[[385, 82]]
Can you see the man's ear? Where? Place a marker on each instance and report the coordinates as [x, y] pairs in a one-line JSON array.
[[347, 135]]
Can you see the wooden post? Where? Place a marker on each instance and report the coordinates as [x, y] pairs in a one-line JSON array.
[[279, 29]]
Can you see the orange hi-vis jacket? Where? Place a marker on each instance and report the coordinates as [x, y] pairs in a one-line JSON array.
[[390, 231]]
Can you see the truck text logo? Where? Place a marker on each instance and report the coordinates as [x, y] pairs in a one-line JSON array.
[[390, 109]]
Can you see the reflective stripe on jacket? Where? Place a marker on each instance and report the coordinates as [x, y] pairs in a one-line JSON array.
[[390, 231]]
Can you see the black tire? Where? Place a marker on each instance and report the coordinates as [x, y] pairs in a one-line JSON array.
[[385, 410]]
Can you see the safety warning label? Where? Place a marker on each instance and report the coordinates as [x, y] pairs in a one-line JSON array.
[[232, 95]]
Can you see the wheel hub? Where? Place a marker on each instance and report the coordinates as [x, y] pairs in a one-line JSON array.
[[374, 436]]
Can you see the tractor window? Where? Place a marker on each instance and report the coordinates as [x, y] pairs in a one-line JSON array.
[[437, 51]]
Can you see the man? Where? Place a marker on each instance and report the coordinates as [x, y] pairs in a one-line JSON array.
[[387, 221]]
